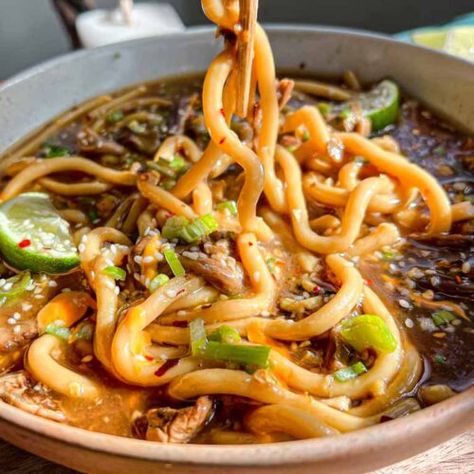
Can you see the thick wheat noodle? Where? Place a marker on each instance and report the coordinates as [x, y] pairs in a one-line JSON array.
[[117, 102], [323, 223], [129, 344], [346, 299], [384, 234], [265, 74], [203, 295], [384, 202], [130, 223], [74, 189], [59, 165], [408, 173], [352, 219], [228, 142], [321, 89], [202, 199], [47, 370], [285, 418], [462, 211], [373, 382], [175, 144], [262, 283], [163, 199], [234, 382], [74, 215]]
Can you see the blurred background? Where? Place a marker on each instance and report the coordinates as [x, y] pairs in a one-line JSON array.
[[30, 30]]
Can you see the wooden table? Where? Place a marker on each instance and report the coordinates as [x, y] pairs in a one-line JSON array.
[[454, 457]]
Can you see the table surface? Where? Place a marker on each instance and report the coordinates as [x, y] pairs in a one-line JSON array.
[[454, 457]]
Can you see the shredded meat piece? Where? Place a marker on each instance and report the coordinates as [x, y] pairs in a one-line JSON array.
[[217, 266], [170, 425], [91, 142], [284, 91], [20, 390]]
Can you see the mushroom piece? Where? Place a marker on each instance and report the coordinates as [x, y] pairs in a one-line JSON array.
[[20, 390], [170, 425]]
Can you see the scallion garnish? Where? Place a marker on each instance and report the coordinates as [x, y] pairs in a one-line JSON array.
[[197, 333], [170, 168], [349, 373], [114, 272], [271, 264], [368, 331], [178, 227], [230, 206], [158, 281], [306, 136], [388, 255], [115, 117], [442, 317], [59, 331], [324, 108], [54, 151], [17, 285], [216, 349], [439, 359], [172, 259], [225, 334]]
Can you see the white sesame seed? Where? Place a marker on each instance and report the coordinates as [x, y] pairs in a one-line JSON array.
[[17, 329], [65, 290], [137, 259], [16, 316], [466, 267], [8, 286], [26, 306], [181, 312], [39, 297], [265, 314], [404, 303], [171, 293], [116, 290], [428, 294], [52, 283], [11, 321], [409, 323], [81, 248], [434, 280], [256, 276]]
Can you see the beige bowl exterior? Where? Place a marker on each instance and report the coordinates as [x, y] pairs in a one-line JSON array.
[[356, 452], [441, 81]]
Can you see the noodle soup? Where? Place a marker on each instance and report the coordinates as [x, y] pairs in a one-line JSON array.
[[175, 273]]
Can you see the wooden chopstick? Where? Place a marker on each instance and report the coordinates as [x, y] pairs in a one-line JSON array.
[[248, 22]]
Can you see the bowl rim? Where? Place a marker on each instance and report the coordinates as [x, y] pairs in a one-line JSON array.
[[442, 420], [454, 415]]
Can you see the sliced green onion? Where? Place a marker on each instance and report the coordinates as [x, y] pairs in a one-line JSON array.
[[442, 317], [360, 160], [173, 261], [167, 184], [225, 334], [345, 114], [271, 264], [137, 127], [351, 372], [178, 163], [84, 331], [292, 148], [241, 354], [439, 359], [161, 168], [197, 332], [115, 117], [173, 226], [114, 272], [19, 283], [230, 206], [324, 108], [158, 281], [388, 255], [306, 136], [368, 331], [178, 227], [59, 331], [440, 150], [54, 151], [171, 168]]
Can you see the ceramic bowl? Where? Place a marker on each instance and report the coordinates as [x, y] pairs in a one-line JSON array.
[[28, 100]]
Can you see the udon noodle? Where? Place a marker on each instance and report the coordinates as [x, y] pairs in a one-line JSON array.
[[269, 308]]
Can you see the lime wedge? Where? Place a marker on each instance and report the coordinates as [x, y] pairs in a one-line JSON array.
[[381, 104], [432, 38], [33, 236], [460, 42]]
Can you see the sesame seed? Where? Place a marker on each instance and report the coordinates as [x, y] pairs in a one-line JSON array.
[[8, 286], [137, 259], [16, 316], [11, 321], [428, 294], [26, 306], [466, 267], [116, 290], [81, 248], [404, 303], [17, 329], [435, 280], [409, 323], [148, 259], [256, 276], [87, 358], [171, 293], [52, 283], [265, 314]]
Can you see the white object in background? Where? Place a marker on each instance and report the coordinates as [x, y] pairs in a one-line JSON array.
[[100, 27]]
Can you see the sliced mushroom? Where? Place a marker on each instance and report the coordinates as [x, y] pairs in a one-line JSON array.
[[170, 425], [20, 390]]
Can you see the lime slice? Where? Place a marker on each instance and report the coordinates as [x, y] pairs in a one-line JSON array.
[[432, 38], [460, 42], [381, 104], [33, 236]]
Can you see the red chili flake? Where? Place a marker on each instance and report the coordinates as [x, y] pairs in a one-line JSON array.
[[166, 366], [368, 282], [458, 279], [222, 141], [317, 290], [24, 243], [222, 112], [180, 324], [150, 358]]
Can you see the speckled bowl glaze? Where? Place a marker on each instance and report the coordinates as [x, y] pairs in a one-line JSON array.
[[37, 95]]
